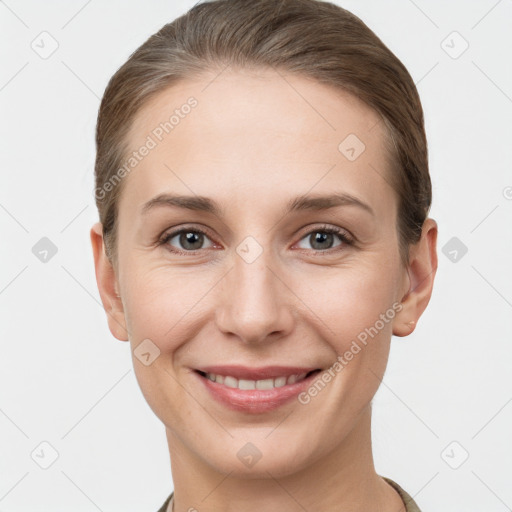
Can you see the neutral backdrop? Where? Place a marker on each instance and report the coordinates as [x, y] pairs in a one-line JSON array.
[[69, 399]]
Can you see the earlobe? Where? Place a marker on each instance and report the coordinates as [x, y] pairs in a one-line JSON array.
[[421, 272], [108, 286]]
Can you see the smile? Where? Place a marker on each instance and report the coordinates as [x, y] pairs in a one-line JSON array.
[[255, 390], [233, 382]]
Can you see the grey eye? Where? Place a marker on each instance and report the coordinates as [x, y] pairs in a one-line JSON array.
[[322, 239], [188, 239]]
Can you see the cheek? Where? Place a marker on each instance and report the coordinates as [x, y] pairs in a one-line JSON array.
[[357, 309], [161, 306], [168, 305], [354, 297], [164, 305]]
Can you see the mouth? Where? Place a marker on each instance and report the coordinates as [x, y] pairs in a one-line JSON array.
[[255, 390], [231, 381]]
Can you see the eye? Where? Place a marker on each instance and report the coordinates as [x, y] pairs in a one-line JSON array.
[[191, 240], [323, 238]]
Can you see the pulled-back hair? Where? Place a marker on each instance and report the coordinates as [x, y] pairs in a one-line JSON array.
[[312, 38]]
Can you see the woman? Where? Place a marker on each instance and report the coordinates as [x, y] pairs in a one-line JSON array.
[[263, 193]]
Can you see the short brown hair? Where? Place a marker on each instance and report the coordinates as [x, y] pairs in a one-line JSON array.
[[312, 38]]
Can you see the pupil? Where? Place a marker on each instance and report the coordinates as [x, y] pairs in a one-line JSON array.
[[322, 237], [187, 239]]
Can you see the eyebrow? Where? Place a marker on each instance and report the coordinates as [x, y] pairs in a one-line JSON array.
[[300, 203]]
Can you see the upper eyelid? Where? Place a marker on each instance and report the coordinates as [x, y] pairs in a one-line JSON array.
[[171, 233], [341, 232], [346, 237]]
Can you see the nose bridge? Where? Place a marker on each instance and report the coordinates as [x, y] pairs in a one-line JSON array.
[[254, 303]]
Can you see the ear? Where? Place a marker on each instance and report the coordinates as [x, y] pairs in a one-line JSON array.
[[421, 271], [108, 285]]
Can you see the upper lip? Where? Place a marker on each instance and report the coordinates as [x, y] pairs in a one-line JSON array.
[[256, 373]]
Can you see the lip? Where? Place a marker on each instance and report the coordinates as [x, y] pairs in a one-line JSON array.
[[262, 372], [255, 401]]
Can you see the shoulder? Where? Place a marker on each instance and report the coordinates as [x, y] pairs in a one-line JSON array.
[[163, 508], [410, 504]]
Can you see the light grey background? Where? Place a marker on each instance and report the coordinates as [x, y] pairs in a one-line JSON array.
[[66, 381]]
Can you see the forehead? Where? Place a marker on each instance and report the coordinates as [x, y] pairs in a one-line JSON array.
[[259, 131]]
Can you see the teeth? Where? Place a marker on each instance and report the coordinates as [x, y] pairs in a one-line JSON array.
[[232, 382], [280, 382], [245, 384], [265, 384]]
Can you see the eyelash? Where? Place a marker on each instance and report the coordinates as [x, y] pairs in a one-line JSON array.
[[345, 239]]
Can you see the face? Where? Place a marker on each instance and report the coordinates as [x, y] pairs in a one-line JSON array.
[[255, 278]]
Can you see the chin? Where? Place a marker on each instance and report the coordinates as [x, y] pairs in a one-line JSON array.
[[256, 459]]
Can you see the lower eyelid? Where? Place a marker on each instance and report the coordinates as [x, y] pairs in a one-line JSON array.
[[342, 236], [166, 238]]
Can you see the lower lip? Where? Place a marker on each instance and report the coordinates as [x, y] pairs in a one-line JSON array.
[[255, 401]]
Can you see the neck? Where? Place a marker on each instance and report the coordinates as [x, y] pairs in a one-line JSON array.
[[343, 480]]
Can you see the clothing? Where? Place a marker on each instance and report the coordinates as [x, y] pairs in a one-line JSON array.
[[163, 508], [410, 504]]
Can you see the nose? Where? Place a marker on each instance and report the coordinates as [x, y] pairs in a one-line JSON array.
[[256, 305]]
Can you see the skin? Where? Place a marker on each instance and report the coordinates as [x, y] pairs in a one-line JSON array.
[[252, 144]]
